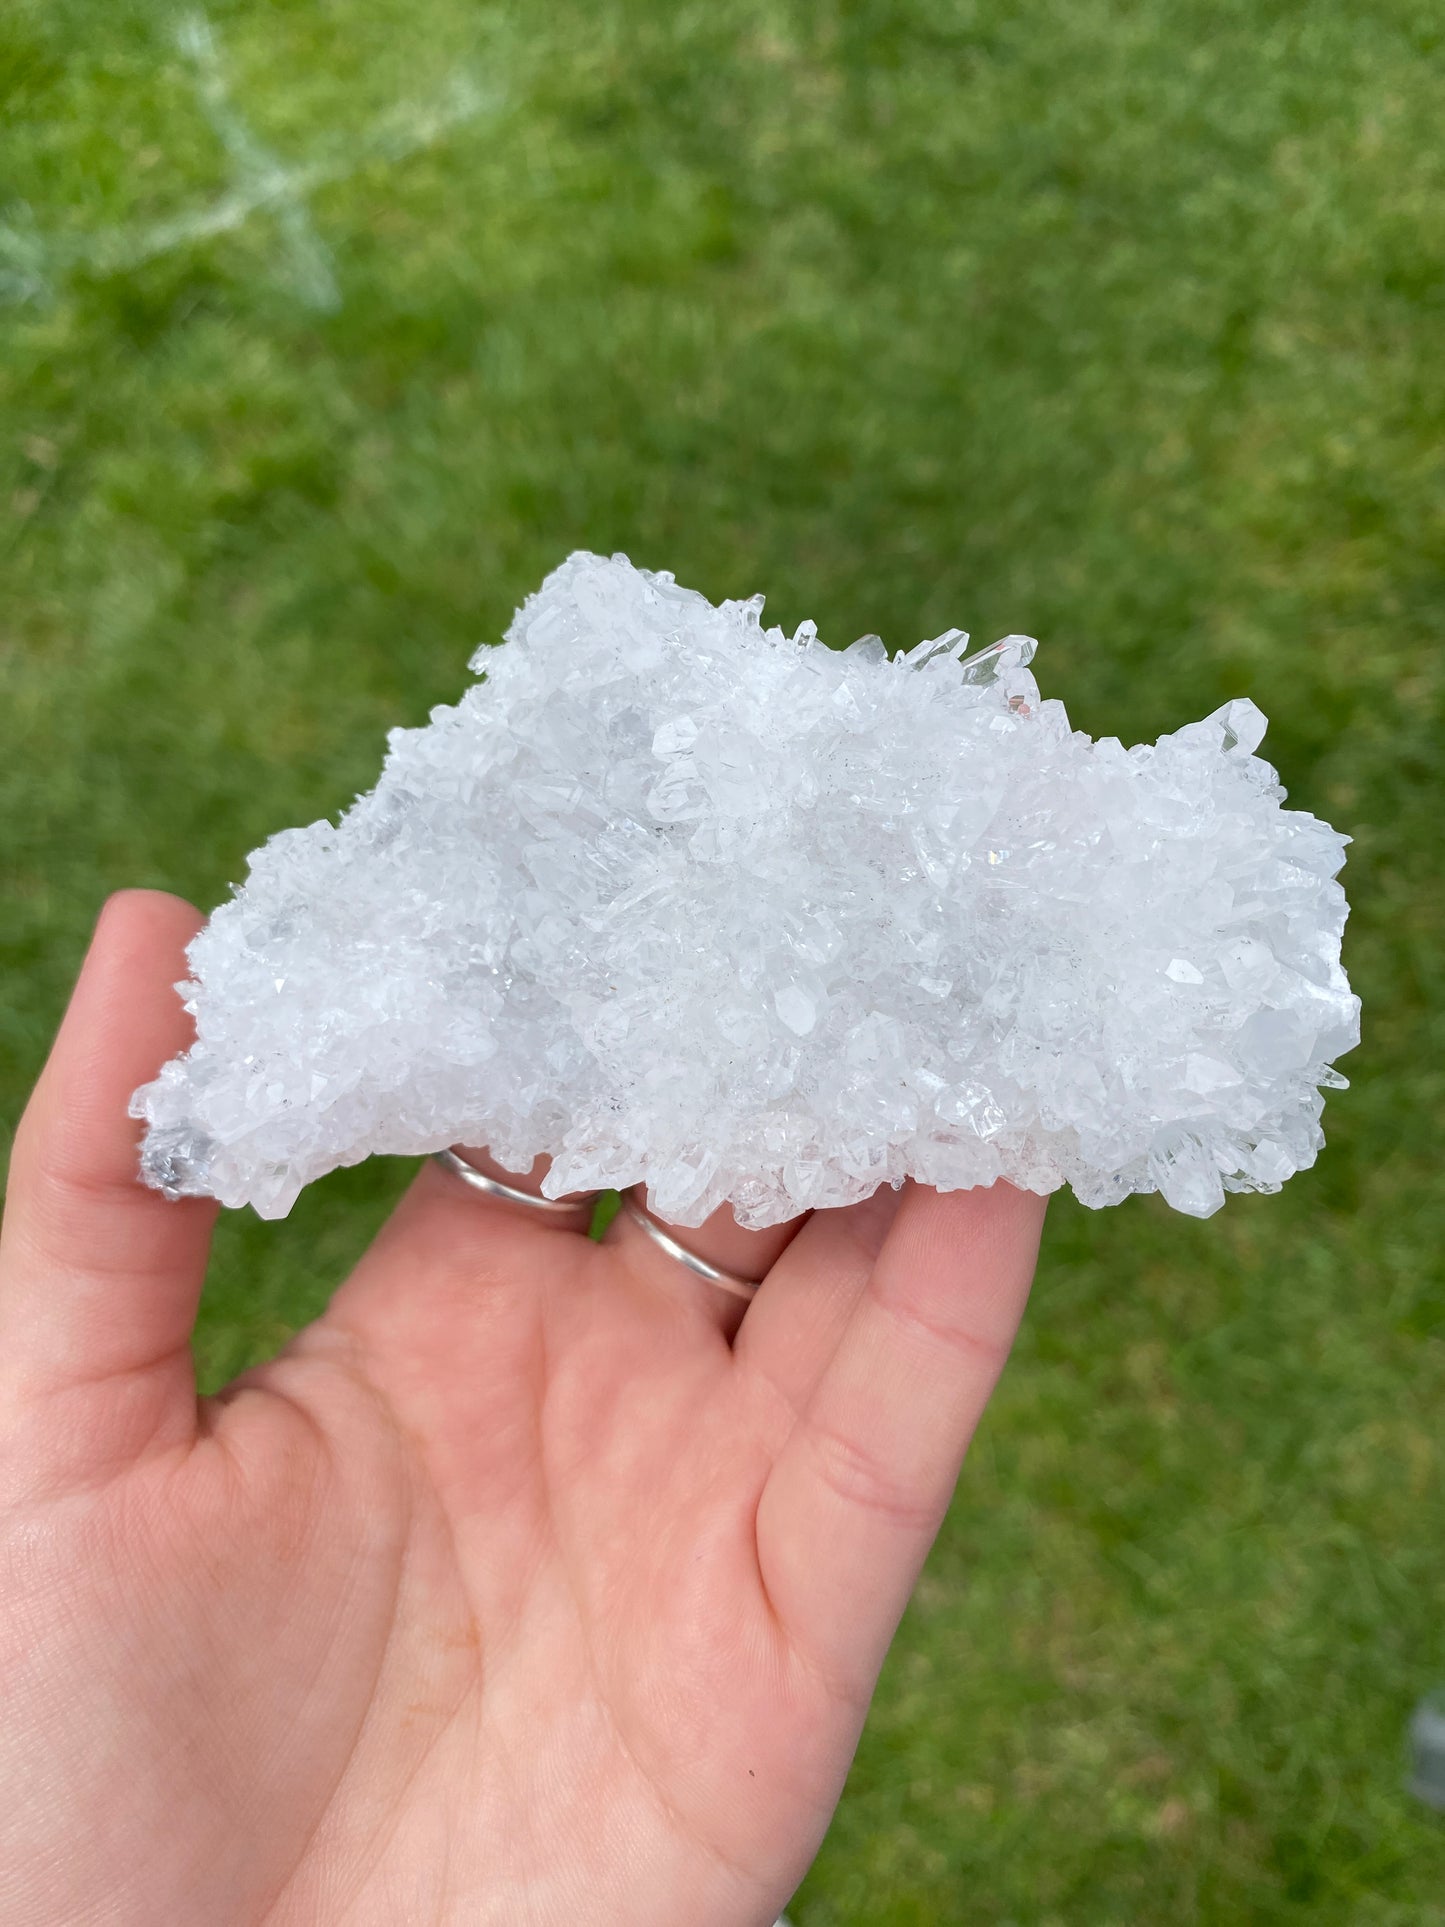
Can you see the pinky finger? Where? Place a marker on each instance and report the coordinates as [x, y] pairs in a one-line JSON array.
[[861, 1484]]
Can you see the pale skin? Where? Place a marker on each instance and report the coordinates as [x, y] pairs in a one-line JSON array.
[[527, 1585]]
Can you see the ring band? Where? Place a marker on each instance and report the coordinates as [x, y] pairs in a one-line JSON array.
[[544, 1207], [714, 1274]]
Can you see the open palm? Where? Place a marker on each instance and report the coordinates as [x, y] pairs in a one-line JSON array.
[[526, 1585]]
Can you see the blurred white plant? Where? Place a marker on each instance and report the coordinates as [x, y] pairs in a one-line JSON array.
[[35, 265]]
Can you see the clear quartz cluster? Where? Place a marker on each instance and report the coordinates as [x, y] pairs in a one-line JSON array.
[[684, 901]]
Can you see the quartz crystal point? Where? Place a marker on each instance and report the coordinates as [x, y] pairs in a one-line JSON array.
[[684, 901]]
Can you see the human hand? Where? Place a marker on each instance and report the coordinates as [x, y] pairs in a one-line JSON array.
[[525, 1585]]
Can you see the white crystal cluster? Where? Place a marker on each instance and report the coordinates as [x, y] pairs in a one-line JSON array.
[[684, 901]]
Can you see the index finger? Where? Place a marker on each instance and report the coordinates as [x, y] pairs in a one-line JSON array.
[[99, 1276]]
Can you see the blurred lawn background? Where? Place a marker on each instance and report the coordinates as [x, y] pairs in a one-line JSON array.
[[1114, 321]]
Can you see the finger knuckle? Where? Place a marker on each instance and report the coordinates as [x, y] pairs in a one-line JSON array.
[[858, 1475]]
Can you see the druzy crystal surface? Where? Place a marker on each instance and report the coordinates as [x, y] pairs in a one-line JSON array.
[[681, 900]]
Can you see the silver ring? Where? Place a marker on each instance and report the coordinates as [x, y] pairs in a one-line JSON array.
[[494, 1188], [714, 1274]]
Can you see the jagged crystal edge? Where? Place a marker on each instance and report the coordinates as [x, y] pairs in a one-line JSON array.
[[683, 901]]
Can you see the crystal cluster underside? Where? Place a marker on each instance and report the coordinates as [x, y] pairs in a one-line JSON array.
[[683, 901]]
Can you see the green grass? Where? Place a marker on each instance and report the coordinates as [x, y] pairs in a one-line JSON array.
[[1116, 321]]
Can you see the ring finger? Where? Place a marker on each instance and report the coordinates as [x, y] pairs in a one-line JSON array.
[[719, 1242]]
